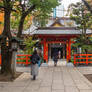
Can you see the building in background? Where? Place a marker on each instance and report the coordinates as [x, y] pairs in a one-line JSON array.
[[59, 11]]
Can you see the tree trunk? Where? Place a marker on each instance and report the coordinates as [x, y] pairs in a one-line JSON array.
[[6, 52], [86, 51], [6, 60], [23, 16], [21, 26]]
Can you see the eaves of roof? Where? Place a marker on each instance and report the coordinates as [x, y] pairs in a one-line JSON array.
[[57, 31]]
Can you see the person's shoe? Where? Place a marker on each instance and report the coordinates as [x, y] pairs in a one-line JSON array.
[[55, 64], [34, 77]]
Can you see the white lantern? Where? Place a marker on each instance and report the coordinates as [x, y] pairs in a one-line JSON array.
[[14, 44]]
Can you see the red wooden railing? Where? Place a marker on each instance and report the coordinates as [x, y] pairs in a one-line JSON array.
[[82, 59], [21, 57]]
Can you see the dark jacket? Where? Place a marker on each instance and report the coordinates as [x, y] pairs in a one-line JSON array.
[[55, 57], [34, 59]]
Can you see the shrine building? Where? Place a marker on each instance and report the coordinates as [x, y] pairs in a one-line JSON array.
[[57, 37]]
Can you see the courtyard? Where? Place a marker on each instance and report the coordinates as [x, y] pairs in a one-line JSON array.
[[51, 79]]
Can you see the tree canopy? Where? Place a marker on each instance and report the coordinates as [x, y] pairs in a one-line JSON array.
[[83, 19], [16, 14], [81, 16], [88, 4]]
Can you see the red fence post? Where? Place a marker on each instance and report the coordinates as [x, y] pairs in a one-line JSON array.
[[74, 59], [26, 59], [86, 59]]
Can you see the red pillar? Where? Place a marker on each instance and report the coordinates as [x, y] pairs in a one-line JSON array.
[[45, 50], [69, 49]]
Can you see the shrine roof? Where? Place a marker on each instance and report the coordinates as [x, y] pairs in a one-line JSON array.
[[57, 30]]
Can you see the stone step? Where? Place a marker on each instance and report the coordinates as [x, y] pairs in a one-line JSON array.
[[59, 63]]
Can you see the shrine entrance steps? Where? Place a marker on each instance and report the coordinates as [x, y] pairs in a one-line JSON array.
[[61, 62]]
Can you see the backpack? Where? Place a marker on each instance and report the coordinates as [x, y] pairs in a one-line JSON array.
[[34, 59]]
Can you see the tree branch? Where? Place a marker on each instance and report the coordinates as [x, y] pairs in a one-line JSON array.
[[22, 6], [24, 14], [30, 9], [87, 5], [2, 7]]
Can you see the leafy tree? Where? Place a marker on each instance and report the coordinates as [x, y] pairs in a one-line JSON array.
[[81, 16], [22, 9], [43, 6], [83, 19], [15, 19], [88, 4], [29, 45]]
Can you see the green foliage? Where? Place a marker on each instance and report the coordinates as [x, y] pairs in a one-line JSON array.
[[81, 16], [41, 19], [22, 9], [44, 5], [29, 45], [15, 19], [84, 43], [83, 19], [43, 9]]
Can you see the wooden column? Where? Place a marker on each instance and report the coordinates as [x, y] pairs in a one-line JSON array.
[[67, 50], [45, 50], [69, 57], [64, 52]]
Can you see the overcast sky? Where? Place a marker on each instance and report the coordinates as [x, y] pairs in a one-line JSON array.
[[67, 2], [64, 6]]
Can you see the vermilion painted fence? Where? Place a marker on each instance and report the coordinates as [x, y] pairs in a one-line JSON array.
[[82, 59], [23, 59]]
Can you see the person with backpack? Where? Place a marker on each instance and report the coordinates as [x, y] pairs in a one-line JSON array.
[[34, 64], [55, 59]]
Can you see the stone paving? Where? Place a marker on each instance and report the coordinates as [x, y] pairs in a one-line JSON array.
[[51, 79], [85, 69]]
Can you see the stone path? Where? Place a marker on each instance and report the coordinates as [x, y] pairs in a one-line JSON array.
[[50, 79], [85, 69]]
